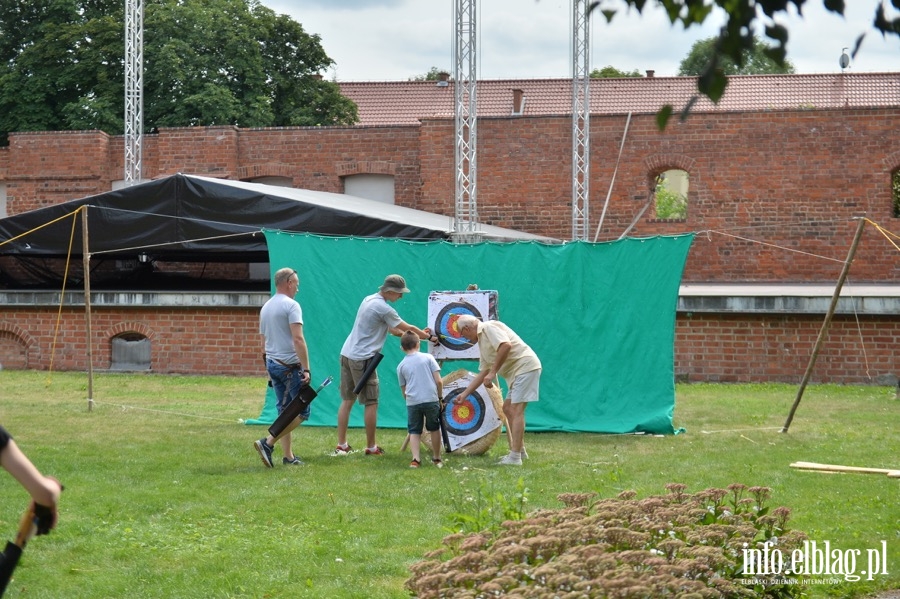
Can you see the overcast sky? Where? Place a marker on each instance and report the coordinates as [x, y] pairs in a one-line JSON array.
[[395, 40]]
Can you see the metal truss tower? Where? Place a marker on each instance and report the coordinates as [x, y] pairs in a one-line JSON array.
[[465, 77], [581, 119], [134, 89]]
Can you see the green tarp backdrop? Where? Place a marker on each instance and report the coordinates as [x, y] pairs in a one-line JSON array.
[[601, 317]]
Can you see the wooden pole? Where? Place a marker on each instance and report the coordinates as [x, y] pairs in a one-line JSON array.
[[824, 329], [86, 256]]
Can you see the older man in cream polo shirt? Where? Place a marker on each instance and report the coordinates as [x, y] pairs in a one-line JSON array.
[[504, 353]]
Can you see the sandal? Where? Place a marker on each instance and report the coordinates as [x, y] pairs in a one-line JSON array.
[[414, 464], [437, 462]]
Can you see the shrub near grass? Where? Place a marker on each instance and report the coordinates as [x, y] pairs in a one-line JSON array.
[[678, 544]]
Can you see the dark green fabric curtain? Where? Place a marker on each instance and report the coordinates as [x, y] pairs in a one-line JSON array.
[[600, 316]]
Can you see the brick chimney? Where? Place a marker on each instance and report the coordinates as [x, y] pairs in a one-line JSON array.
[[443, 79], [650, 73]]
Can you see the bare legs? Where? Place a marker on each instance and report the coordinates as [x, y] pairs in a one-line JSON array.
[[370, 418], [515, 421], [343, 421]]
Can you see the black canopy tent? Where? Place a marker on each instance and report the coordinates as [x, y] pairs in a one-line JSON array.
[[185, 218], [188, 218]]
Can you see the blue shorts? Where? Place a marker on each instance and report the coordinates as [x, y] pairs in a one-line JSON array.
[[286, 382], [427, 412]]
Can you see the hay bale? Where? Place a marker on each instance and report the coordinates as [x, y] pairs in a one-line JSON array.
[[483, 444]]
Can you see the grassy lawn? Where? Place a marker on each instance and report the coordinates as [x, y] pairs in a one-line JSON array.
[[165, 496]]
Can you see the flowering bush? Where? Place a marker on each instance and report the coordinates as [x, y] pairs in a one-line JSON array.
[[672, 545]]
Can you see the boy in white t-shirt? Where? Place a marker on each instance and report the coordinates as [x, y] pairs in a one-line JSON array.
[[420, 382]]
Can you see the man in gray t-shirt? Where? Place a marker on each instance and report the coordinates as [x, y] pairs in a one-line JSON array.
[[374, 320], [286, 356]]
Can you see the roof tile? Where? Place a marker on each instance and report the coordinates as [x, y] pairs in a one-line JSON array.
[[408, 102]]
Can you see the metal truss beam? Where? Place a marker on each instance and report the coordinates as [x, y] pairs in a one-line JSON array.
[[134, 89], [465, 77], [581, 119]]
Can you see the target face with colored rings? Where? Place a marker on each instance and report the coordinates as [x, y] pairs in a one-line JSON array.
[[445, 325], [465, 417]]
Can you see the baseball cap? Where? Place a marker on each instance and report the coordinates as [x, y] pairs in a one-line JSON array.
[[394, 283]]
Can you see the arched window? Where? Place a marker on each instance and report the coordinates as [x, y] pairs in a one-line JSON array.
[[130, 351], [671, 196], [13, 352]]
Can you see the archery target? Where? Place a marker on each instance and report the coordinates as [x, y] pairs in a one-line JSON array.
[[473, 418], [444, 308], [445, 324], [464, 418]]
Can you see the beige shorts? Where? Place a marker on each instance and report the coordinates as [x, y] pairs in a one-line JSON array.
[[351, 372], [525, 387]]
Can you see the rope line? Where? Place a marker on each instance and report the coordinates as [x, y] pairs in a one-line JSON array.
[[887, 234], [250, 228], [55, 220], [780, 247], [62, 293], [862, 341], [613, 180], [156, 245], [158, 411], [743, 430], [792, 224]]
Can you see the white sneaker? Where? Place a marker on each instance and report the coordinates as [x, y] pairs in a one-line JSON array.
[[342, 450], [524, 453], [508, 460]]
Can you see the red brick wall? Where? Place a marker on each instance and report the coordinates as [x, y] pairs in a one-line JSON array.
[[770, 347], [716, 348], [52, 167], [48, 168], [189, 341], [317, 161], [4, 163]]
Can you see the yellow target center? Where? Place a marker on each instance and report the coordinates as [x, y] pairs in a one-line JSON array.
[[463, 412]]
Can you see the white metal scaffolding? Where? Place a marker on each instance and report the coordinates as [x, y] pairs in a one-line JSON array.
[[134, 89], [581, 119], [465, 76]]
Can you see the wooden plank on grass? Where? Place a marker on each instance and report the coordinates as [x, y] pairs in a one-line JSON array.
[[838, 468]]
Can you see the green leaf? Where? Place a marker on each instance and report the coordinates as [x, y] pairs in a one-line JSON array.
[[713, 85], [663, 116]]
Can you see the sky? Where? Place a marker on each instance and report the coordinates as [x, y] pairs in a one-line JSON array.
[[396, 40]]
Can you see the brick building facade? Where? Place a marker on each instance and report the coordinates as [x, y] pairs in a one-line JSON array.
[[773, 197]]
